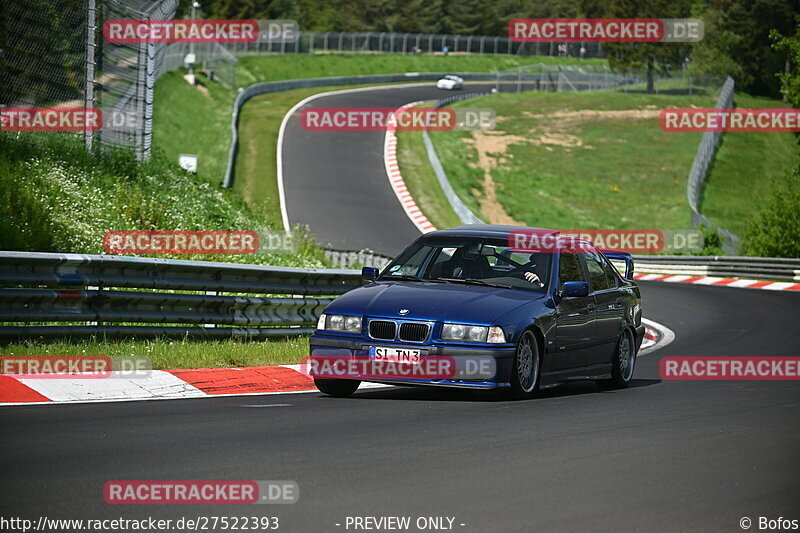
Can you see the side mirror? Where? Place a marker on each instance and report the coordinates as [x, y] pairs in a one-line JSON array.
[[575, 289], [621, 256], [369, 273]]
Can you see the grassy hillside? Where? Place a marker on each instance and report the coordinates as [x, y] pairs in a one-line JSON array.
[[743, 171], [287, 67], [56, 197], [574, 160], [196, 120]]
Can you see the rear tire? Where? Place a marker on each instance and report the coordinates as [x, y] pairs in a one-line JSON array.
[[525, 370], [623, 363], [340, 388]]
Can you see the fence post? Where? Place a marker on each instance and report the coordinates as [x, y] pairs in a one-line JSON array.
[[91, 47]]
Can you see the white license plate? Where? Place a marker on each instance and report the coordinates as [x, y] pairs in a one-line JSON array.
[[395, 355]]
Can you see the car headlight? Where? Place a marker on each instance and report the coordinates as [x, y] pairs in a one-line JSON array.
[[350, 324], [465, 332]]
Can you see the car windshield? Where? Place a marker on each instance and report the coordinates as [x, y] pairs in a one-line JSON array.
[[488, 262]]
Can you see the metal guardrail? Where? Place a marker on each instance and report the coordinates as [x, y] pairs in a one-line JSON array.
[[769, 268], [288, 85], [349, 259], [98, 295], [456, 204], [48, 287], [536, 77]]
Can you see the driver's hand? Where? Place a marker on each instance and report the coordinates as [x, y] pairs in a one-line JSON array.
[[533, 278]]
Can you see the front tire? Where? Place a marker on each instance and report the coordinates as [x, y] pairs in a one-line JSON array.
[[340, 388], [525, 370], [623, 363]]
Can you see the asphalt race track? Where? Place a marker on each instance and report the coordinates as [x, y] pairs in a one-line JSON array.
[[336, 183], [660, 456]]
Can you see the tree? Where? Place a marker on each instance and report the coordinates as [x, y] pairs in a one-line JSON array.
[[775, 232], [790, 78], [654, 57], [713, 55]]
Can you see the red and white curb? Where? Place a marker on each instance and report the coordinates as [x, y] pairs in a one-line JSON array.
[[656, 336], [198, 383], [396, 180], [160, 385], [721, 282]]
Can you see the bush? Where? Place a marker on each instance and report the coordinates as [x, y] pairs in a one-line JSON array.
[[56, 197], [775, 231]]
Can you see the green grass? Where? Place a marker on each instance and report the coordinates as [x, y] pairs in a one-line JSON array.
[[58, 198], [252, 69], [578, 172], [744, 167], [256, 161], [421, 180], [190, 120], [179, 354]]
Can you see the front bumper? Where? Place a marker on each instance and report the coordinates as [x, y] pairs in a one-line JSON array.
[[501, 357]]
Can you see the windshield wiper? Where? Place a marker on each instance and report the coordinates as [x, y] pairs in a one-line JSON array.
[[406, 277], [475, 281], [400, 277]]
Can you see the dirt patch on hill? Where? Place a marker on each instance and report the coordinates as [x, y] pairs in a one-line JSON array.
[[556, 129], [561, 120], [491, 147]]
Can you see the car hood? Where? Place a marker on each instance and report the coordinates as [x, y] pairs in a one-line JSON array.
[[447, 302]]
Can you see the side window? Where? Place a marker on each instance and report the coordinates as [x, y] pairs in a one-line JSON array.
[[613, 280], [597, 274], [570, 269]]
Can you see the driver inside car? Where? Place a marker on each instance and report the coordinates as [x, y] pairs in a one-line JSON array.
[[466, 263]]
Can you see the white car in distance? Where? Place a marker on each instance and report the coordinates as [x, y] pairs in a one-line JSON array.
[[450, 83]]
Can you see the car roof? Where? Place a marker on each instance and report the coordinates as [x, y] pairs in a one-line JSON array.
[[491, 231]]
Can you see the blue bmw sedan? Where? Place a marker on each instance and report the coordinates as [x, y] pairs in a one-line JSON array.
[[489, 311]]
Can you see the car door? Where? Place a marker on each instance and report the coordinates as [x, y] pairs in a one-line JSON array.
[[575, 317], [610, 303]]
